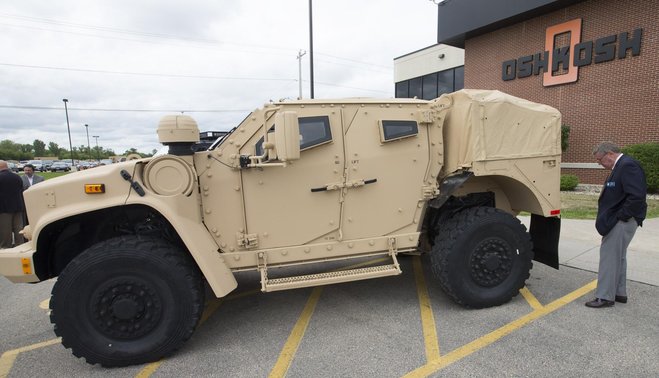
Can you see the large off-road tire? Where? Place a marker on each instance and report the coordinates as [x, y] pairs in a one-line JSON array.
[[128, 300], [482, 257]]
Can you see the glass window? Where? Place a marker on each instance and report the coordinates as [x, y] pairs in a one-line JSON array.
[[416, 86], [402, 90], [459, 78], [430, 86], [392, 130], [445, 82], [313, 131]]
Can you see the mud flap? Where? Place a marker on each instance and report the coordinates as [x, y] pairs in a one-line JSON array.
[[545, 233]]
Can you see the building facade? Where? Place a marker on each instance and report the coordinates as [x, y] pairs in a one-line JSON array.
[[430, 72], [596, 61]]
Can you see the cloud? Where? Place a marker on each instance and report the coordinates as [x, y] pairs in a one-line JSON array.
[[114, 60]]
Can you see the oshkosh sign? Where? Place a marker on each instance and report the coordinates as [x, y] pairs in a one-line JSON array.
[[560, 65]]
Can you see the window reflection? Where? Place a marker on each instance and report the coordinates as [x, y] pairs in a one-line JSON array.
[[433, 85]]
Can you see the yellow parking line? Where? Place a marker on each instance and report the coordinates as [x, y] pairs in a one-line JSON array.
[[7, 359], [149, 369], [210, 310], [466, 350], [531, 299], [427, 318], [211, 307], [45, 304], [294, 339]]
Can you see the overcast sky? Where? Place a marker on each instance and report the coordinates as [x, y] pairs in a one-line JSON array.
[[117, 60]]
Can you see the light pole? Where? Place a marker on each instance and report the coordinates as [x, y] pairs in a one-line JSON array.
[[89, 148], [311, 49], [97, 156], [300, 54], [66, 110]]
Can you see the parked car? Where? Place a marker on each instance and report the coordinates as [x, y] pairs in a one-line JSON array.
[[38, 165], [46, 165], [59, 166], [12, 166], [83, 165]]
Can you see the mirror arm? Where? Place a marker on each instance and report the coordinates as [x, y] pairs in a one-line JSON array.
[[266, 116], [257, 162]]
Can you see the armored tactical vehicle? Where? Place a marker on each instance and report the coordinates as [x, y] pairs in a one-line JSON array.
[[297, 183]]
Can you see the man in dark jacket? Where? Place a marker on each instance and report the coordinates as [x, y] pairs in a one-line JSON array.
[[29, 178], [11, 206], [621, 209]]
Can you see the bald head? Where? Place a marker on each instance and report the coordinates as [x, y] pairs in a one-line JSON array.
[[3, 165]]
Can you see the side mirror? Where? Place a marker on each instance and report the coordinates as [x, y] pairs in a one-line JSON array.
[[287, 136]]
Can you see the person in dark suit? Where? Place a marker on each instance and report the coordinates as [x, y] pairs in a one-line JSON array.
[[29, 178], [11, 207], [621, 209]]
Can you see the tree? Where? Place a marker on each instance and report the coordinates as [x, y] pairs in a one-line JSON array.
[[53, 149], [9, 150], [84, 152], [27, 148], [39, 147]]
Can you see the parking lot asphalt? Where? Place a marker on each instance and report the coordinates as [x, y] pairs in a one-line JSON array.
[[389, 327]]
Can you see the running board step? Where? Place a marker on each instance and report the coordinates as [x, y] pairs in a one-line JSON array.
[[327, 278]]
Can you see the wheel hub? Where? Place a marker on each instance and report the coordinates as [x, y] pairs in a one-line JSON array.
[[491, 262], [126, 309]]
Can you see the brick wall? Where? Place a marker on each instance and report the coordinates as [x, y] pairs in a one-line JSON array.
[[616, 100]]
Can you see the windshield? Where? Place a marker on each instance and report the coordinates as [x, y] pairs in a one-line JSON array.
[[224, 137]]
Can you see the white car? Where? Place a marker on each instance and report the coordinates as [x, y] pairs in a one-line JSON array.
[[38, 165]]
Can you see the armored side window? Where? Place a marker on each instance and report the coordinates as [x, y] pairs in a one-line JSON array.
[[394, 130], [313, 132]]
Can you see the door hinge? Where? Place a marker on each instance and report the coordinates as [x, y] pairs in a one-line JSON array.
[[247, 241], [426, 116], [430, 191]]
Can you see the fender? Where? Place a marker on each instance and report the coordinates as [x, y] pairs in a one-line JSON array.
[[183, 212], [65, 197], [544, 230]]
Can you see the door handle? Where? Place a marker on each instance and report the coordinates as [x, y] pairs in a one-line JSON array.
[[333, 186], [349, 184]]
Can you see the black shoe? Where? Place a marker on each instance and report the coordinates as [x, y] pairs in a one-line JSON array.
[[599, 303], [621, 298]]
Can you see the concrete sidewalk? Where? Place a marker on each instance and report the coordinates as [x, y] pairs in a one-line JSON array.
[[579, 248]]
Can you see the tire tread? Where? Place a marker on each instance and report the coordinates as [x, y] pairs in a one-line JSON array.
[[445, 246], [148, 246]]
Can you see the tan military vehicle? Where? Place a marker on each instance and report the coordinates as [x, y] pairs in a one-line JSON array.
[[304, 183]]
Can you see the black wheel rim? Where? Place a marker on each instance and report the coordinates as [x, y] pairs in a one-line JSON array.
[[125, 309], [491, 262]]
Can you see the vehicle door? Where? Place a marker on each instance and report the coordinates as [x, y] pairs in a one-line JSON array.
[[280, 207], [387, 157]]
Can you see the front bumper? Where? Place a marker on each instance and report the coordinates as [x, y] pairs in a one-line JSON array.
[[17, 263]]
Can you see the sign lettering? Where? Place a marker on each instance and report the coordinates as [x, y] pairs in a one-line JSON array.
[[560, 64]]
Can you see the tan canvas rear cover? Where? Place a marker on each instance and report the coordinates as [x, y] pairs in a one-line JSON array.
[[487, 125]]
